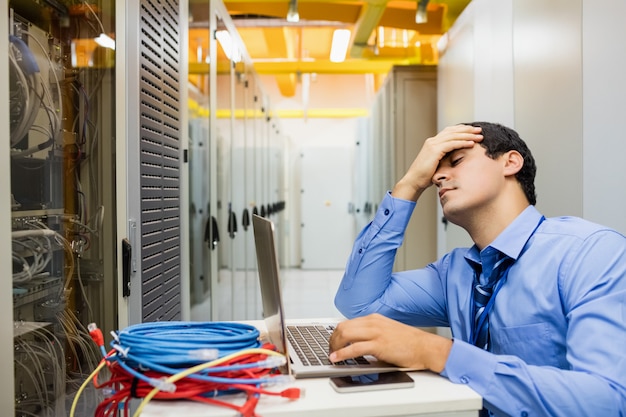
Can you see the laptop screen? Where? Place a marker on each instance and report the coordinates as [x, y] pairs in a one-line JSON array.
[[267, 262]]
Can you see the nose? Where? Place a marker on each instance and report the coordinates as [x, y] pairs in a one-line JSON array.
[[439, 176]]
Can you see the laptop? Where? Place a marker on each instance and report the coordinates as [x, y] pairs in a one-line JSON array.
[[304, 344]]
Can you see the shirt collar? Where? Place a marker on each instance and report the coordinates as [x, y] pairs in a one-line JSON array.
[[512, 240]]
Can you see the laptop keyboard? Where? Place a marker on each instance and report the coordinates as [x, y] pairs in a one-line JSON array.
[[310, 343]]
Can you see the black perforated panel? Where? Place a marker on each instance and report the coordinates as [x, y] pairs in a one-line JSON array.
[[160, 159]]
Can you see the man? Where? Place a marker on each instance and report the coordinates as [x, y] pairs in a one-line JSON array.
[[537, 307]]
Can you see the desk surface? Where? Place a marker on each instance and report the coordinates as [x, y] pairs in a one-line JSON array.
[[432, 395]]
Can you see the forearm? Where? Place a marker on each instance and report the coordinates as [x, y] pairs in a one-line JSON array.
[[510, 385], [366, 279], [369, 268]]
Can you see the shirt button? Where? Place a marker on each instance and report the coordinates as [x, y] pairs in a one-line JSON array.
[[361, 250], [464, 380], [386, 212], [524, 414]]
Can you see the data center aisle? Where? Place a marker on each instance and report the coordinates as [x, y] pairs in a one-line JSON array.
[[306, 294]]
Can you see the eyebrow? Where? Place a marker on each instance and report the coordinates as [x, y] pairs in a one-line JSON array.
[[448, 155]]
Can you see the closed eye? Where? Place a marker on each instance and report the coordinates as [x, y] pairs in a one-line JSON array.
[[455, 161]]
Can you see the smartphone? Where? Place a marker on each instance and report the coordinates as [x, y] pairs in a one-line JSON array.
[[371, 382]]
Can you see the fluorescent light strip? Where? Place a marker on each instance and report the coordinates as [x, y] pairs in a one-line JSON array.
[[341, 38], [230, 50]]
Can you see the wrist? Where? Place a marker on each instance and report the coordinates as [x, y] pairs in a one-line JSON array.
[[407, 190], [441, 348]]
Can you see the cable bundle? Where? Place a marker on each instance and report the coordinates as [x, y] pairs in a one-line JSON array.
[[197, 361]]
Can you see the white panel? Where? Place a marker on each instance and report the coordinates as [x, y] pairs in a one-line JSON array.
[[548, 98], [604, 90], [363, 199], [126, 74], [328, 228], [199, 201], [243, 242], [185, 282], [455, 73], [493, 62]]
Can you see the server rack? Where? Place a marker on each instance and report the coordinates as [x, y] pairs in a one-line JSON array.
[[61, 197]]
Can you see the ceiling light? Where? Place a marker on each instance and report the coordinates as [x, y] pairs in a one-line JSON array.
[[292, 14], [420, 15], [339, 48], [105, 41]]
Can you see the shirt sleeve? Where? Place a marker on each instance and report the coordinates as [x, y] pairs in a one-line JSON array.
[[369, 286], [510, 387], [593, 298]]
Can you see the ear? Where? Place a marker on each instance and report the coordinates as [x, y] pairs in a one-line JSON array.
[[513, 162]]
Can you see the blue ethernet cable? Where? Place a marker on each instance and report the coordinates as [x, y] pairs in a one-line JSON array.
[[183, 343], [169, 346]]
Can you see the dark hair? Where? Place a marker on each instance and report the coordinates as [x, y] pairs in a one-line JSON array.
[[498, 139]]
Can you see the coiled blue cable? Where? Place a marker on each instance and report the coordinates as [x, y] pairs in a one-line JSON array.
[[169, 346], [181, 344]]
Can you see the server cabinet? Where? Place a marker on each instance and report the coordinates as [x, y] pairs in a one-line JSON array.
[[403, 115], [94, 153], [61, 197], [152, 76]]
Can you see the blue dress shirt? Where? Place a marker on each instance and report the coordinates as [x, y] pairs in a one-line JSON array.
[[558, 325]]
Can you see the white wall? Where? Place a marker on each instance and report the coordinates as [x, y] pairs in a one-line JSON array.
[[547, 57], [554, 72], [604, 109]]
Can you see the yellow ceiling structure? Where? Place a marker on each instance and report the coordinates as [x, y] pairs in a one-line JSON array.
[[383, 33]]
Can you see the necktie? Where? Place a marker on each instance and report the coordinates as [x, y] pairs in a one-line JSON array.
[[483, 292]]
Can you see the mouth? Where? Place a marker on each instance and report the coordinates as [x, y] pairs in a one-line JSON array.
[[443, 191]]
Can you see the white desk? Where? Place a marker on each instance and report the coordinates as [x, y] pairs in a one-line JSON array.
[[431, 396]]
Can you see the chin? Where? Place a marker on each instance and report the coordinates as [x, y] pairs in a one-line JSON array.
[[452, 214]]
